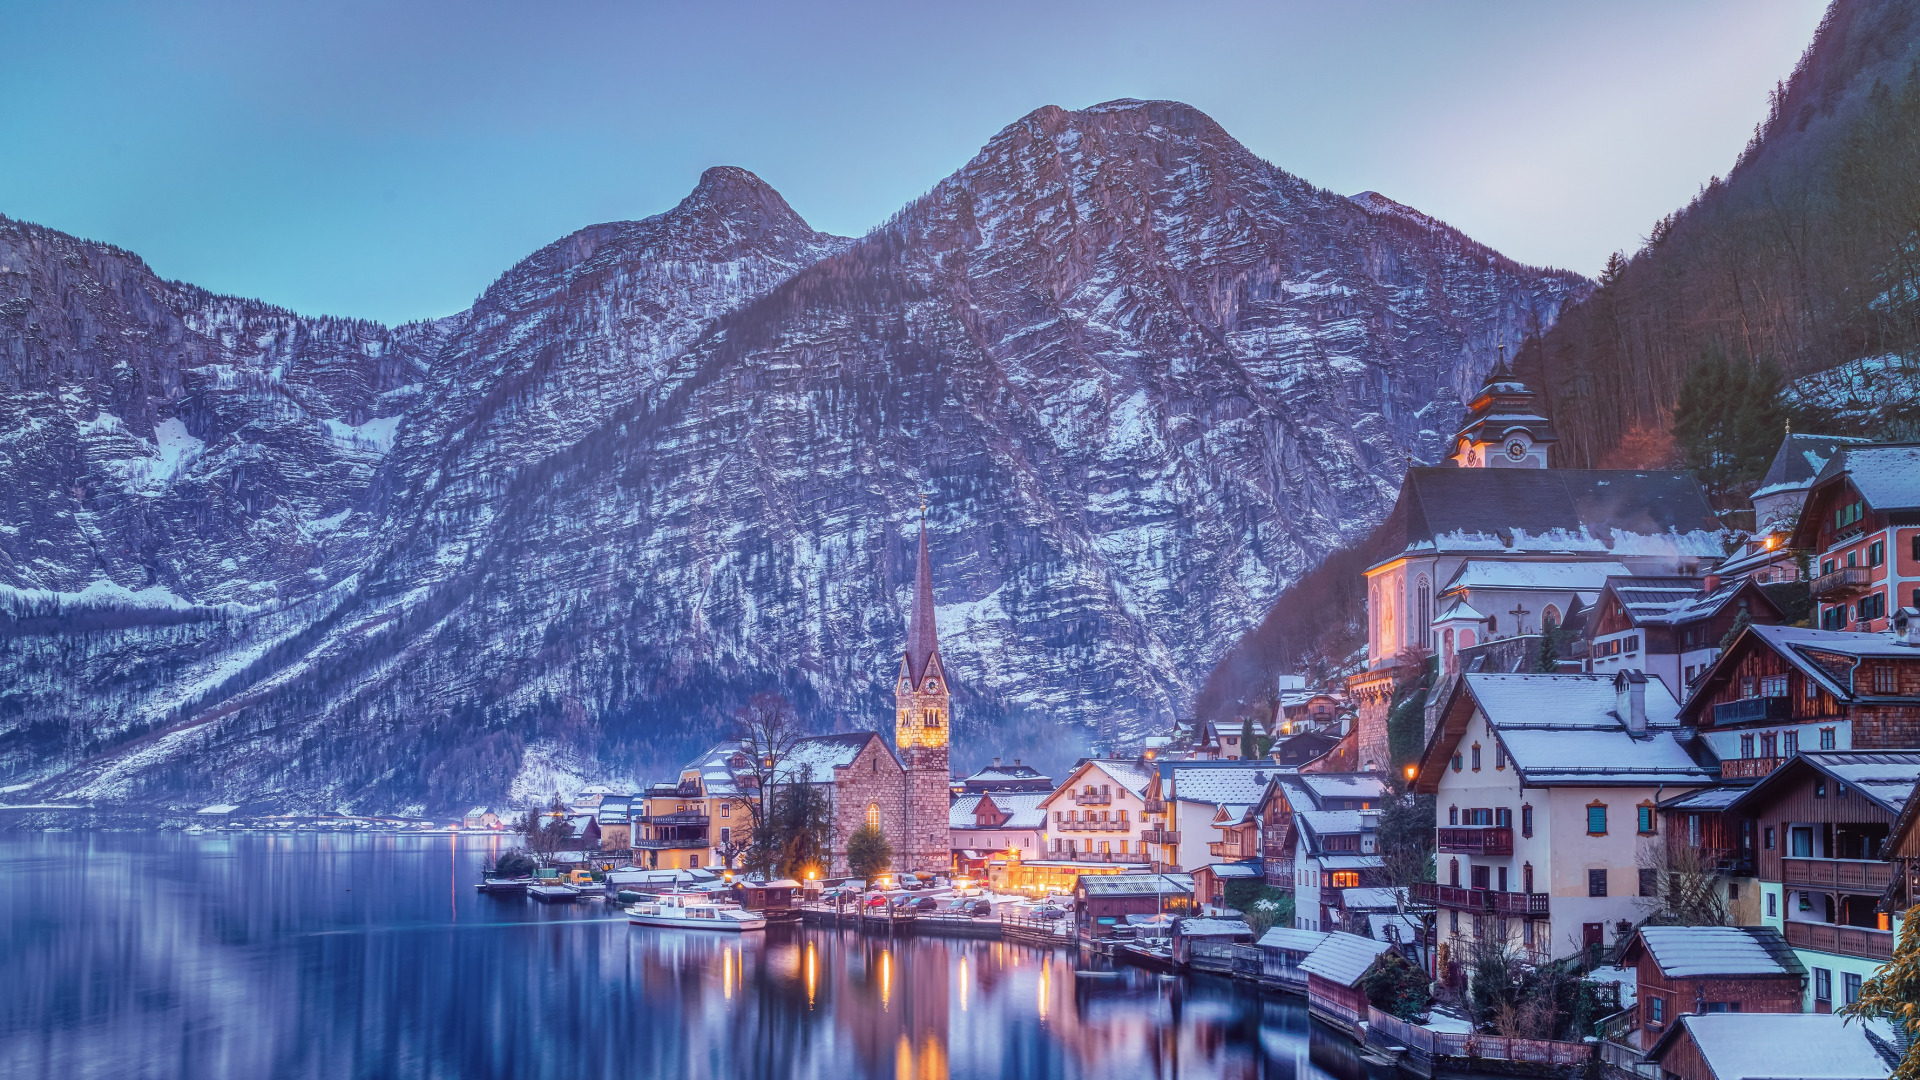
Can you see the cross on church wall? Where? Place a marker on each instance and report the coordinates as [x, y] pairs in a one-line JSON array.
[[1519, 614]]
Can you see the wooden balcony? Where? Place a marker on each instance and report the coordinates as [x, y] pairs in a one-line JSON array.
[[1277, 849], [1155, 806], [1860, 941], [1230, 849], [1092, 798], [1867, 876], [1483, 901], [1846, 581], [1120, 825], [1161, 836], [1749, 768], [1476, 840], [1128, 857], [1753, 709]]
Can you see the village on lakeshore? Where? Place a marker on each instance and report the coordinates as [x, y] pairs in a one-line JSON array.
[[1609, 781]]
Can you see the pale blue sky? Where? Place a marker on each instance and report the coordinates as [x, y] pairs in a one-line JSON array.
[[388, 160]]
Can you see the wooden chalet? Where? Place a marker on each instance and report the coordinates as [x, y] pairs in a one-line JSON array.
[[1822, 825], [1862, 521], [1779, 690], [1742, 1046], [1711, 969], [1670, 627]]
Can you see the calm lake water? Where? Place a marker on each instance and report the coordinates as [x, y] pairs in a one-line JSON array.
[[163, 955]]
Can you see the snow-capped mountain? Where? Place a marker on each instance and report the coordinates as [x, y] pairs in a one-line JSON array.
[[1142, 378]]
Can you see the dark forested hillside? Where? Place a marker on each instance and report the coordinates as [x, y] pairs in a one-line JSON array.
[[1802, 265], [1804, 255]]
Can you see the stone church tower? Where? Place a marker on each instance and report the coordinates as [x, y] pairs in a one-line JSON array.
[[1504, 428], [920, 726]]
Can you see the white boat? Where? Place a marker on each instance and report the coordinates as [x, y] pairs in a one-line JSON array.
[[694, 911]]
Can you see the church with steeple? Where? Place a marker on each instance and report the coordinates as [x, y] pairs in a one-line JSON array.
[[921, 724], [1496, 543]]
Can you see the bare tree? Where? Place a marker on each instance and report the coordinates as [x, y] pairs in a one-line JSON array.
[[768, 730], [1684, 883]]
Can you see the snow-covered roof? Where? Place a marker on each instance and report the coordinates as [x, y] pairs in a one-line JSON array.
[[1370, 897], [1554, 576], [1343, 958], [1214, 928], [1358, 785], [1350, 862], [1236, 784], [1566, 729], [1458, 609], [1234, 869], [1605, 514], [1331, 822], [1022, 807], [1701, 951], [816, 757], [1128, 774], [1800, 460], [1711, 798], [1292, 940], [1777, 1046], [478, 811], [1886, 474], [1136, 884]]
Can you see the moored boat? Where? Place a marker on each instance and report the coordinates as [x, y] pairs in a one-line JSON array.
[[504, 886], [693, 911], [554, 894]]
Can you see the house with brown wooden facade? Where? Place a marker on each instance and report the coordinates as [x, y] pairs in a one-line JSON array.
[[1682, 970], [1862, 521], [1669, 627], [1757, 1046], [1779, 690], [1822, 825]]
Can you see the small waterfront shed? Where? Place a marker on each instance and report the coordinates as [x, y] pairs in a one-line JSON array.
[[1755, 1046], [1281, 950], [1101, 903], [1225, 931], [1711, 969], [1333, 977]]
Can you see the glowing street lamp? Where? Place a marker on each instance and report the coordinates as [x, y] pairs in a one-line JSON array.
[[1412, 771]]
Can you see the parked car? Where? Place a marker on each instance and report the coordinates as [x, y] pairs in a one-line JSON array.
[[981, 907], [924, 903]]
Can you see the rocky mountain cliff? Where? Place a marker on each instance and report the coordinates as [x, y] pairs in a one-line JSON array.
[[1142, 378]]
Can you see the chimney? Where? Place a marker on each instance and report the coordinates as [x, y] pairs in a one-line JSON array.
[[1630, 700], [1712, 584], [996, 763], [1016, 763]]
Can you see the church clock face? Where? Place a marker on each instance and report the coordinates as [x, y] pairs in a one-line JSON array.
[[933, 686], [1516, 449]]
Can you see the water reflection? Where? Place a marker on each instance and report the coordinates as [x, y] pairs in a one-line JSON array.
[[171, 956]]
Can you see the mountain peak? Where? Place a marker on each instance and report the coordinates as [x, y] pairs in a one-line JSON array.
[[734, 193]]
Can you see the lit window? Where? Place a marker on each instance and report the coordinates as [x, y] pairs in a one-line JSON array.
[[1346, 879], [873, 814]]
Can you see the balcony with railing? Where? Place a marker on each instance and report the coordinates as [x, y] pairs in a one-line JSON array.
[[1861, 941], [1229, 849], [1483, 901], [1161, 836], [1085, 825], [1154, 806], [1276, 848], [1750, 710], [1127, 857], [1845, 581], [1476, 840], [1092, 798], [676, 830], [1749, 768], [1865, 876]]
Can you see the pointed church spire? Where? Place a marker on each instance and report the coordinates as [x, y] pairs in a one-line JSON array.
[[922, 642]]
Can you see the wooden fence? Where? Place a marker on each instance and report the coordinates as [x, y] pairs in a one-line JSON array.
[[1430, 1044]]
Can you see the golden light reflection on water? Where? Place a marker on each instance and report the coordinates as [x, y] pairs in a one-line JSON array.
[[963, 983], [929, 1063], [1046, 966], [726, 973], [886, 979], [813, 973]]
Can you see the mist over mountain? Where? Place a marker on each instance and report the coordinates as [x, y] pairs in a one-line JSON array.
[[1142, 379]]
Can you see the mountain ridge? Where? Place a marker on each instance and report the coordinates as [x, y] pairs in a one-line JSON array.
[[1148, 378]]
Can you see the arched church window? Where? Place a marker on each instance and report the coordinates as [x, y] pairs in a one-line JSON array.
[[1426, 602], [1550, 618], [873, 814]]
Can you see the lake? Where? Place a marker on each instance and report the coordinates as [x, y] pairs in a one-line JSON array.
[[169, 955]]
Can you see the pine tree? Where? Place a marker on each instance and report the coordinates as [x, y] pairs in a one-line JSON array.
[[1894, 993], [1248, 748], [868, 852]]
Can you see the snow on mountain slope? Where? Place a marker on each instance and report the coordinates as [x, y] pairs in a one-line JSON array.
[[1145, 378]]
